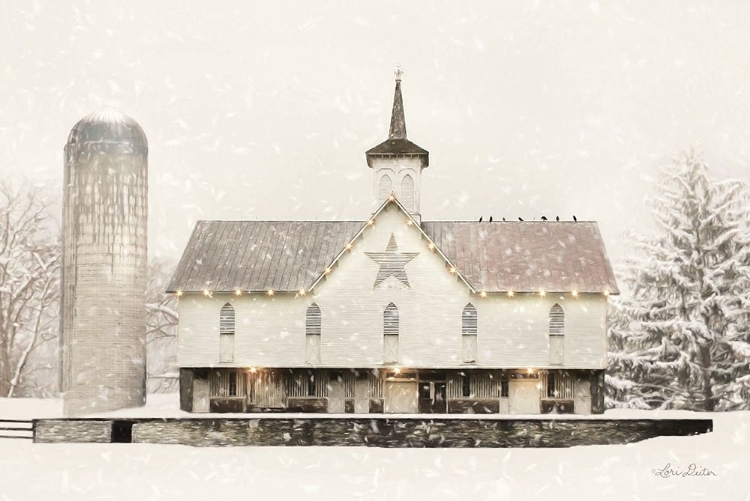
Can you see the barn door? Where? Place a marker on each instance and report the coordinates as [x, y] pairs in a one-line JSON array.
[[582, 401], [524, 397], [336, 397], [401, 397], [362, 396], [201, 401]]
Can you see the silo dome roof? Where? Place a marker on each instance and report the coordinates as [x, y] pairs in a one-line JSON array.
[[108, 125]]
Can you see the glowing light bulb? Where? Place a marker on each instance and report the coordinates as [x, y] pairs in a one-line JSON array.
[[178, 293], [511, 293], [483, 294], [302, 292], [270, 292], [574, 293], [238, 292], [542, 292]]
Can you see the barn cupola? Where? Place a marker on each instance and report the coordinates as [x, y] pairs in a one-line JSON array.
[[397, 163]]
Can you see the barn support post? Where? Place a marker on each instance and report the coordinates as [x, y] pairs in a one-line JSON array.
[[186, 389], [597, 392]]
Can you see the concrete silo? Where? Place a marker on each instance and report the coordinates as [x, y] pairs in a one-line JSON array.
[[103, 316]]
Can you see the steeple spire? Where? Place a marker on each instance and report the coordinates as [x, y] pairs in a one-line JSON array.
[[398, 121]]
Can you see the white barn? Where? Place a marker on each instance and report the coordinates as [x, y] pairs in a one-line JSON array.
[[392, 313]]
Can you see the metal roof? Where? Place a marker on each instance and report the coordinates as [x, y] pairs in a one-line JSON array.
[[108, 125], [526, 256], [286, 256]]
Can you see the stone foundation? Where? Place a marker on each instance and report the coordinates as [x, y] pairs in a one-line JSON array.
[[376, 432], [52, 431]]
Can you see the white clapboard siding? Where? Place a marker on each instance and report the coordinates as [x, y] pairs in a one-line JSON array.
[[270, 330]]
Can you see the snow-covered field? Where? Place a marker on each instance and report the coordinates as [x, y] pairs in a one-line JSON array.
[[148, 472]]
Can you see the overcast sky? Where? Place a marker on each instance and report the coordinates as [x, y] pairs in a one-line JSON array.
[[265, 109]]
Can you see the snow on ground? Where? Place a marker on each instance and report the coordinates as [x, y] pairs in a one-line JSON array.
[[31, 472]]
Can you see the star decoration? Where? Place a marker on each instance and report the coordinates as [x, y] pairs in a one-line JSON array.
[[392, 262]]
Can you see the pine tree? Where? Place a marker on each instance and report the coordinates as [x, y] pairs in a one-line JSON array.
[[680, 336]]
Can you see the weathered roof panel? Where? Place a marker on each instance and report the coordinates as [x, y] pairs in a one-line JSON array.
[[526, 256], [286, 256]]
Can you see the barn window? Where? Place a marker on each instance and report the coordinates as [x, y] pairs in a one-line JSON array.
[[232, 384], [226, 333], [390, 334], [407, 192], [551, 385], [556, 335], [385, 188], [469, 333], [312, 334], [466, 385], [310, 385], [504, 388]]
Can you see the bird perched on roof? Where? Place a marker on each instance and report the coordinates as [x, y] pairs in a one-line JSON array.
[[503, 219], [544, 218], [575, 218], [480, 218], [557, 218], [490, 219], [520, 219]]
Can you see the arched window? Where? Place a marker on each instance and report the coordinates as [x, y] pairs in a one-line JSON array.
[[226, 333], [556, 321], [385, 188], [556, 335], [312, 334], [407, 192], [469, 320], [469, 333], [390, 334]]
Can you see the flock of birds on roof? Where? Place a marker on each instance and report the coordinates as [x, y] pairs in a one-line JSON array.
[[543, 218]]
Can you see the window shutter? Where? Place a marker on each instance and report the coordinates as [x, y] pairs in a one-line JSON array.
[[390, 349], [226, 333], [385, 188], [556, 321], [390, 320], [469, 320], [390, 334], [312, 334], [469, 347], [226, 348], [407, 192]]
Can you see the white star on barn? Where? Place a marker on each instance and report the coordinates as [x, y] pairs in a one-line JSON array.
[[392, 263]]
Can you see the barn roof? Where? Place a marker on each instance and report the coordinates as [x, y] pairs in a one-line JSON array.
[[286, 256]]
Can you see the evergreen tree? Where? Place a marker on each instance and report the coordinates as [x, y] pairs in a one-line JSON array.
[[680, 336]]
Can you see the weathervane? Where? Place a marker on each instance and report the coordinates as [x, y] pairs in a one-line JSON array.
[[399, 71]]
